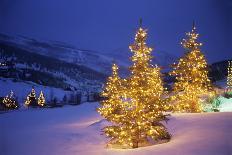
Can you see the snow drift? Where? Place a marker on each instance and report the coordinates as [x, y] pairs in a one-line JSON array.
[[77, 130]]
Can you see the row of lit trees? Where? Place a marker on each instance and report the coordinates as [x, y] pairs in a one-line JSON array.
[[137, 104], [33, 101], [229, 77], [9, 102]]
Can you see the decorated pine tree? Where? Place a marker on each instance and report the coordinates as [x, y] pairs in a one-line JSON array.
[[191, 75], [9, 101], [145, 91], [112, 103], [41, 99], [229, 77], [31, 98], [112, 107], [135, 105]]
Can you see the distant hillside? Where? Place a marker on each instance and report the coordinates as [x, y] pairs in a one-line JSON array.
[[60, 65], [95, 60], [62, 51], [48, 71], [218, 70]]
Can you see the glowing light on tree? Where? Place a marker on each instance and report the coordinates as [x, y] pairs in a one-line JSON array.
[[191, 75], [229, 77], [135, 105], [31, 98], [9, 101], [41, 99]]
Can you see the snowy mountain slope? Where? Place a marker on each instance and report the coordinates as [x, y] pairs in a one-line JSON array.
[[58, 64], [61, 65], [93, 59], [76, 130], [62, 51], [48, 71], [160, 58]]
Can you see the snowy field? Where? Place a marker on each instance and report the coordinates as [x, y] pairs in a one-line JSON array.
[[75, 130], [22, 89]]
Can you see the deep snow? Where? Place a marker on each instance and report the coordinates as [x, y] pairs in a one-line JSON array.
[[75, 130]]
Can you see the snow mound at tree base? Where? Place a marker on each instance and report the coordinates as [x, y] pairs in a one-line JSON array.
[[76, 130], [99, 125], [225, 104], [141, 144]]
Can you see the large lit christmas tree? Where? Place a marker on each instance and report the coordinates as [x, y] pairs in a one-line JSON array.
[[41, 99], [31, 98], [138, 105], [9, 101], [191, 75], [145, 91]]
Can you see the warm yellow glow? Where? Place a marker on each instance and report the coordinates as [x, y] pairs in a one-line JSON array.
[[41, 99], [9, 101], [135, 105], [191, 42], [31, 96], [229, 76], [191, 75]]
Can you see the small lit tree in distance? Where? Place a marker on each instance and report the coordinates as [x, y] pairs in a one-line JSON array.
[[9, 101], [229, 77], [31, 98], [191, 75], [41, 99]]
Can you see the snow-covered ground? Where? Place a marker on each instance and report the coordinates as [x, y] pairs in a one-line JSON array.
[[22, 89], [226, 104], [75, 130]]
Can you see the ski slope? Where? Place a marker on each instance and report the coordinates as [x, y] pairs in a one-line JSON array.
[[75, 130]]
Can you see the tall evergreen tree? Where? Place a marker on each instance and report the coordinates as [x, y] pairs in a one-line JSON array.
[[135, 105], [191, 75], [112, 93]]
